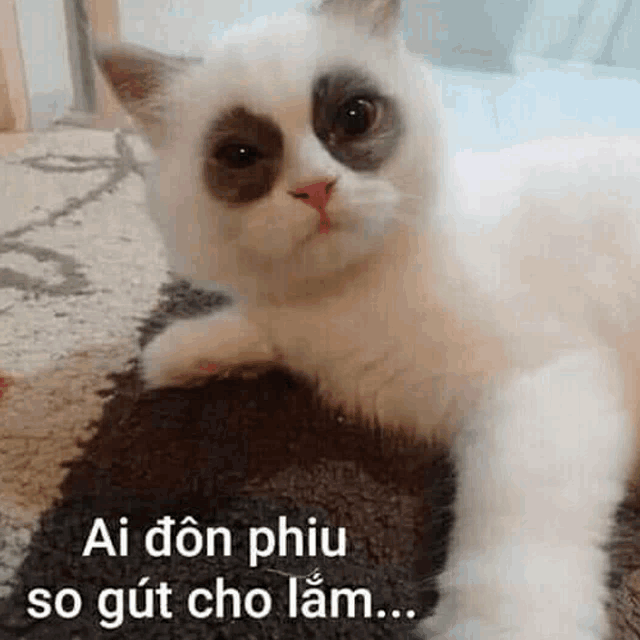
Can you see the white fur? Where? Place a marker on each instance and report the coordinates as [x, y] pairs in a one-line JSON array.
[[540, 477], [516, 342]]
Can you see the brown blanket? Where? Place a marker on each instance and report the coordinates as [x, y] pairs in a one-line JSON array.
[[84, 442]]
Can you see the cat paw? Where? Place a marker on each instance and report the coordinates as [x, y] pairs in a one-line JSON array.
[[480, 615], [164, 363], [474, 629], [190, 351], [480, 630]]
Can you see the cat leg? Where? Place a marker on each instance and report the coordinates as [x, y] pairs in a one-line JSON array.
[[194, 349], [542, 468]]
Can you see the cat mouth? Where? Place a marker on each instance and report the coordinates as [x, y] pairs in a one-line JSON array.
[[324, 226], [322, 230], [325, 223]]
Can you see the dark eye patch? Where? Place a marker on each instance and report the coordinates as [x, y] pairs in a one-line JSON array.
[[243, 156], [357, 124]]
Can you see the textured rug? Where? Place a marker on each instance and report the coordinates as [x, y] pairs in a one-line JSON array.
[[241, 509]]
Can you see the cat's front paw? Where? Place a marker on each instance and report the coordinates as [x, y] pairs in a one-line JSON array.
[[166, 363], [455, 620], [468, 630], [477, 630], [190, 351], [479, 614]]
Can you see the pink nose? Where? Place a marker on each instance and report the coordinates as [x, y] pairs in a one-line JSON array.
[[316, 195]]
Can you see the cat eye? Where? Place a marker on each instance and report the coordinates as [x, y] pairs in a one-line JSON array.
[[238, 156], [357, 124], [357, 116], [242, 156]]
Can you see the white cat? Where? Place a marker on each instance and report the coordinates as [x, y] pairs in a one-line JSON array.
[[303, 168]]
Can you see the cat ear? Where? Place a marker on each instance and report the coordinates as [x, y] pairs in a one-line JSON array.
[[380, 16], [138, 76]]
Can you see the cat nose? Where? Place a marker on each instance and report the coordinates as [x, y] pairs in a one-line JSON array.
[[316, 195]]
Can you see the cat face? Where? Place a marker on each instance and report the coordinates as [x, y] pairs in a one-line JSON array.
[[298, 151]]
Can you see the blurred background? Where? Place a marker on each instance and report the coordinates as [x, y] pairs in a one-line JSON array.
[[509, 70]]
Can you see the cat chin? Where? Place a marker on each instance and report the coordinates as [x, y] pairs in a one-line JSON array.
[[323, 262], [349, 239], [339, 249], [325, 268]]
